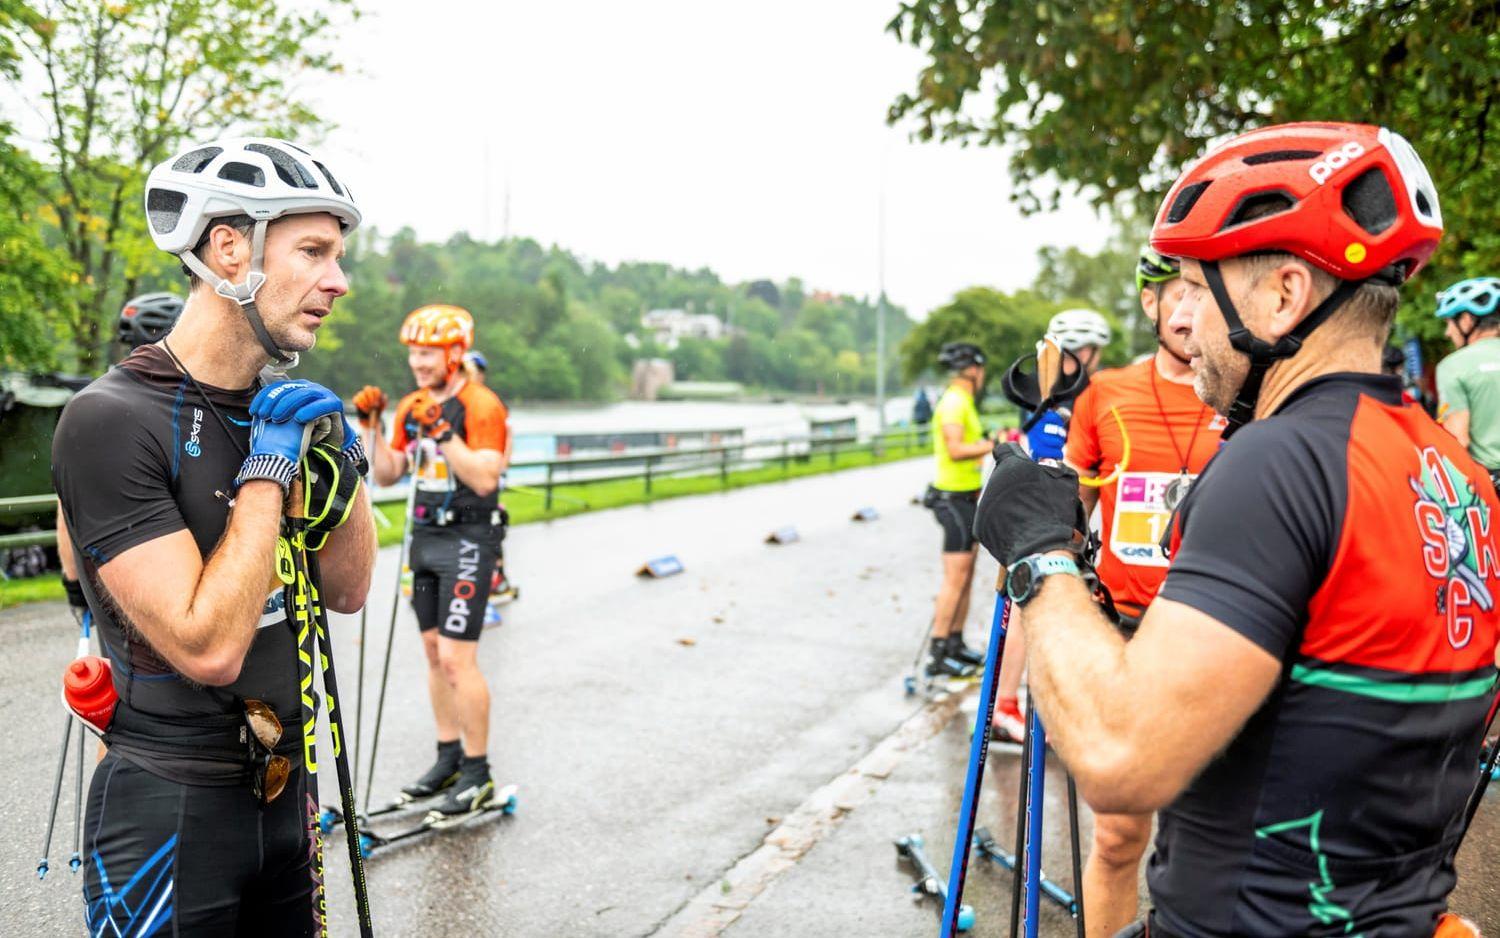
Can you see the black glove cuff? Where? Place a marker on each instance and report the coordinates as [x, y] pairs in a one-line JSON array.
[[74, 589]]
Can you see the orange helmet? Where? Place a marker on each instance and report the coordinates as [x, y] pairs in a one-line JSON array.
[[439, 326]]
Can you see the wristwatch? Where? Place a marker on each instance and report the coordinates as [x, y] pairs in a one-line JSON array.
[[1026, 575]]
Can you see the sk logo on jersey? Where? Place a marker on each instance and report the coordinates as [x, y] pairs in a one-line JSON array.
[[1457, 546]]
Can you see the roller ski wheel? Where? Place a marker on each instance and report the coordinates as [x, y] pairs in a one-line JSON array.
[[503, 802]]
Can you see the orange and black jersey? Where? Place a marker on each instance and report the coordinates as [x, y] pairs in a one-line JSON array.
[[1353, 539], [479, 419]]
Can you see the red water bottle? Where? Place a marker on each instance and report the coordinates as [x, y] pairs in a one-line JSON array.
[[89, 690]]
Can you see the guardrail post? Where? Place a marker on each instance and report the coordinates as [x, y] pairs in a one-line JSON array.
[[724, 467], [547, 503], [648, 476], [786, 458]]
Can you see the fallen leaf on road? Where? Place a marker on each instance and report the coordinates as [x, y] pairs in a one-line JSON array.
[[687, 642]]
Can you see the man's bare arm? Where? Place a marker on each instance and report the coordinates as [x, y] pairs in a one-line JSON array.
[[386, 465], [201, 616], [347, 560], [1137, 721], [1458, 425], [958, 450], [479, 469]]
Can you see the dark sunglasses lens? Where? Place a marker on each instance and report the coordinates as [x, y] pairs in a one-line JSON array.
[[278, 770]]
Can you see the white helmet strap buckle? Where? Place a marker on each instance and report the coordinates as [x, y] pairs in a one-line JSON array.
[[244, 293]]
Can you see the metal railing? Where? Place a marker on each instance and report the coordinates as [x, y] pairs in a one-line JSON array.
[[654, 465]]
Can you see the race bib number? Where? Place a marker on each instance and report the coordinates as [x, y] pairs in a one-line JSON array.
[[1142, 516], [433, 474]]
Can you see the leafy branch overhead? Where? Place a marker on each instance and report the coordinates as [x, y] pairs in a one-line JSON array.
[[1109, 99], [123, 85]]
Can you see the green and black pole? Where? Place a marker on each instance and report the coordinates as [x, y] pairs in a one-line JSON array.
[[310, 620]]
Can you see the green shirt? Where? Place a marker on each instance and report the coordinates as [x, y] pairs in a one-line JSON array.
[[1469, 380], [963, 475]]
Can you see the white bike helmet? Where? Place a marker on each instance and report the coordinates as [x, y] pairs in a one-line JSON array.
[[261, 177], [1079, 328]]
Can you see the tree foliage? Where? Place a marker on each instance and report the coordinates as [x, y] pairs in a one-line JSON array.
[[36, 282], [123, 84], [1005, 325], [1110, 98], [554, 326]]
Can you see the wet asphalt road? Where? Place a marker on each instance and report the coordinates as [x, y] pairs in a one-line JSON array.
[[658, 731]]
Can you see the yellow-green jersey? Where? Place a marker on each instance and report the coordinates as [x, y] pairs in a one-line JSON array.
[[962, 475]]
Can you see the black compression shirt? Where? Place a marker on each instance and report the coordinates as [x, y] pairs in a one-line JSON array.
[[139, 455], [1368, 568]]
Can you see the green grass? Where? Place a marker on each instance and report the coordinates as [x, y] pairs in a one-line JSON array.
[[527, 505], [31, 590]]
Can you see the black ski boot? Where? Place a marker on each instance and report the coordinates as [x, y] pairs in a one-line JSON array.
[[468, 796], [958, 651], [942, 664], [443, 774]]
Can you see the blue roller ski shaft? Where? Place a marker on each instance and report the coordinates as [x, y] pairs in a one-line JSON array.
[[1036, 741], [1051, 889], [978, 750]]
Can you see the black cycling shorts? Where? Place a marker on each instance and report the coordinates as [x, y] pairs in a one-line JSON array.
[[955, 512], [164, 858], [451, 569]]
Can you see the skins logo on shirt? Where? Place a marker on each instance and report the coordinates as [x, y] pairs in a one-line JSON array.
[[1454, 523], [192, 447]]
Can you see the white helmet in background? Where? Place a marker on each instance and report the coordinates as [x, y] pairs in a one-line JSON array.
[[1079, 328], [260, 177]]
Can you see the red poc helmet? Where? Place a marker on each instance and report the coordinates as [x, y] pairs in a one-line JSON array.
[[1352, 199]]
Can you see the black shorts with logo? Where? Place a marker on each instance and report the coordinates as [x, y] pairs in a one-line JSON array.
[[955, 512], [451, 569], [165, 858]]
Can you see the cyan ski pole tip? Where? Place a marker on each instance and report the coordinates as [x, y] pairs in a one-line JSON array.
[[659, 567], [786, 535], [867, 513]]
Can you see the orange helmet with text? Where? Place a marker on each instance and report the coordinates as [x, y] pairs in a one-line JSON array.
[[440, 326]]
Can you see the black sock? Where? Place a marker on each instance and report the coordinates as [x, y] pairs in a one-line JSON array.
[[955, 643], [450, 752], [475, 766], [940, 647]]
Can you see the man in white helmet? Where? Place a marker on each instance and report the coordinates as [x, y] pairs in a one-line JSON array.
[[1084, 333], [172, 471]]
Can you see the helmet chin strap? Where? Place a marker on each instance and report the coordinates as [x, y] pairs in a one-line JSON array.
[[244, 294], [1264, 354]]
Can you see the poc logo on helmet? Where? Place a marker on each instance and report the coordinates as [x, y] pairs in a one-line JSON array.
[[1334, 160]]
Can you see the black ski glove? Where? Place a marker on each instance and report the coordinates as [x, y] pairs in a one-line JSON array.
[[1028, 508]]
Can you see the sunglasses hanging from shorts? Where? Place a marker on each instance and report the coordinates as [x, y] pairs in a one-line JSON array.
[[270, 771]]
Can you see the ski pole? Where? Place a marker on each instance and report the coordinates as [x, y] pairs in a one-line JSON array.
[[390, 638], [62, 762], [1018, 885], [974, 781], [1036, 744], [1077, 854], [76, 860], [364, 615], [324, 644], [1487, 771], [539, 493]]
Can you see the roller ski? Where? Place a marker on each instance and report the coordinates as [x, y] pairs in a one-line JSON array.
[[502, 801], [439, 778], [986, 846], [928, 882], [502, 590]]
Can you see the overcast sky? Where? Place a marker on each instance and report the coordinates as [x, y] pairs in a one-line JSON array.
[[749, 138]]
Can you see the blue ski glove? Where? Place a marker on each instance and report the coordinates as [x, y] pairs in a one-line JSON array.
[[275, 451], [304, 402], [1048, 436]]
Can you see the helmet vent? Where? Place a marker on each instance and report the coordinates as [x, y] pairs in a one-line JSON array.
[[1423, 205], [1185, 201], [338, 190], [164, 209], [195, 161], [1370, 201], [243, 173], [1280, 156], [1259, 205], [290, 171]]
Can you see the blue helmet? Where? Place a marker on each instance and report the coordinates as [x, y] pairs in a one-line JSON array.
[[478, 360], [1478, 296]]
